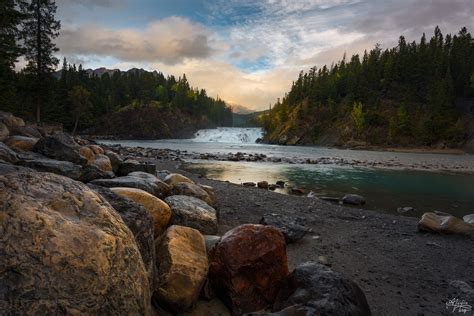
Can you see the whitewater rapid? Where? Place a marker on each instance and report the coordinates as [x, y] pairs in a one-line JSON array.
[[228, 135]]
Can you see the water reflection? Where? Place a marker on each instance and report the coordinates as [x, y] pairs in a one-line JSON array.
[[384, 190]]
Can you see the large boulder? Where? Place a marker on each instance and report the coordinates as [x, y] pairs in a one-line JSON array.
[[292, 228], [191, 189], [64, 168], [10, 120], [431, 222], [102, 162], [192, 212], [140, 222], [21, 143], [6, 154], [28, 131], [145, 182], [174, 178], [65, 250], [131, 165], [159, 210], [353, 199], [4, 132], [212, 194], [182, 268], [115, 160], [314, 289], [248, 266], [61, 147], [87, 153], [90, 173]]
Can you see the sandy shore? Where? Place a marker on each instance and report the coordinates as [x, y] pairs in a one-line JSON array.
[[402, 271]]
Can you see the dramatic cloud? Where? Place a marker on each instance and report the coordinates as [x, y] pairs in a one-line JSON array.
[[170, 41]]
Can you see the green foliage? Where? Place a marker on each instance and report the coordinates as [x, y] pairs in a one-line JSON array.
[[79, 98], [358, 119], [408, 92]]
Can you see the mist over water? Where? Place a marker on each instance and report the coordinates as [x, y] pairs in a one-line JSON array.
[[228, 135]]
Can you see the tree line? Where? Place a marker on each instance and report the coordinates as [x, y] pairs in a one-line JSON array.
[[76, 97], [404, 94]]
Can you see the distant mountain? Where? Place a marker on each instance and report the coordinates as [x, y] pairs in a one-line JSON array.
[[99, 72], [251, 119], [241, 109]]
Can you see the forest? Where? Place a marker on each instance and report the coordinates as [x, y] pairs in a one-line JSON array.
[[418, 93], [109, 102]]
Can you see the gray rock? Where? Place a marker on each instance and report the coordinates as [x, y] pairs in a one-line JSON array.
[[131, 165], [406, 209], [28, 131], [139, 180], [192, 212], [162, 174], [4, 132], [8, 155], [314, 289], [329, 199], [353, 199], [63, 168], [61, 147], [211, 240], [248, 184], [460, 290], [291, 227], [281, 184], [64, 238], [141, 225], [191, 189], [90, 173], [468, 218], [115, 160]]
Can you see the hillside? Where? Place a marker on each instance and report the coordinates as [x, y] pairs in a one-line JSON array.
[[415, 94]]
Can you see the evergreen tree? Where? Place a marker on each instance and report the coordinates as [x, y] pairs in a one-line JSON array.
[[39, 30]]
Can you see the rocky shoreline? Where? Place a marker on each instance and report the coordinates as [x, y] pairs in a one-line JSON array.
[[92, 229]]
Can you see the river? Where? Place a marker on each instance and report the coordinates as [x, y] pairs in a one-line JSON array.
[[385, 189]]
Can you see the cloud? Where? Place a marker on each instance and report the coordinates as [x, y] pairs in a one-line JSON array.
[[89, 3], [170, 41]]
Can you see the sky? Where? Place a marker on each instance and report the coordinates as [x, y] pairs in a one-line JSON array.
[[247, 52]]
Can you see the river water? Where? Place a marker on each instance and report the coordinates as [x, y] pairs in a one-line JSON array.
[[385, 189]]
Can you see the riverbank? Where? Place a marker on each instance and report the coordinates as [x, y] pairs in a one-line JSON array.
[[401, 271]]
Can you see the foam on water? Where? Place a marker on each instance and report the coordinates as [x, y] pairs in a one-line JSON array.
[[235, 135]]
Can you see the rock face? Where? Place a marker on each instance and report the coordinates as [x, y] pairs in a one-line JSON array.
[[64, 168], [192, 212], [159, 210], [291, 227], [60, 147], [22, 143], [174, 178], [431, 222], [149, 183], [191, 189], [314, 289], [6, 154], [140, 223], [248, 266], [131, 165], [58, 236], [353, 199], [182, 268]]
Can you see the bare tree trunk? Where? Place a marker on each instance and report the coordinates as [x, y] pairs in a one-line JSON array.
[[75, 125]]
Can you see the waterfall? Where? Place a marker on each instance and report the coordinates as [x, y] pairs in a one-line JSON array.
[[228, 135]]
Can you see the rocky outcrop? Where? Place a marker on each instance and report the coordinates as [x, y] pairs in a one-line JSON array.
[[191, 189], [353, 199], [192, 212], [61, 147], [159, 210], [64, 168], [314, 289], [291, 227], [174, 178], [182, 268], [21, 143], [140, 222], [431, 222], [248, 266], [145, 182], [7, 155], [65, 250], [131, 165]]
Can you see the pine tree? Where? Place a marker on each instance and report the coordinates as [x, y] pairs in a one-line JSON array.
[[39, 30]]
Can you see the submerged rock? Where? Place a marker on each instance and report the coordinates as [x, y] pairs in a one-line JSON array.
[[291, 227], [192, 212], [64, 238], [314, 289], [431, 222], [248, 266], [353, 199], [159, 210], [182, 268]]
